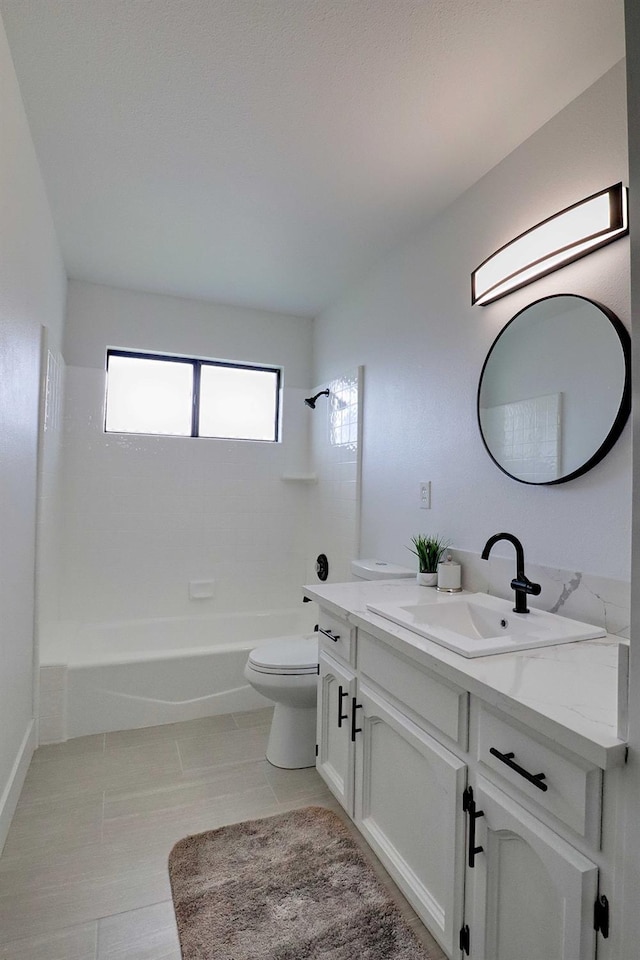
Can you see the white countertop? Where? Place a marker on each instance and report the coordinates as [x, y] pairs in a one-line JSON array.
[[568, 692]]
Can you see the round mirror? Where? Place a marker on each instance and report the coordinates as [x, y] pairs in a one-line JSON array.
[[555, 390]]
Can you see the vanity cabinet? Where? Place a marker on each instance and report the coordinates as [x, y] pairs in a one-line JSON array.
[[529, 893], [407, 788], [337, 637], [401, 786], [555, 785], [530, 890], [335, 760], [492, 830]]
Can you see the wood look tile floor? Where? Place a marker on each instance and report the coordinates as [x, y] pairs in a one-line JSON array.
[[83, 875]]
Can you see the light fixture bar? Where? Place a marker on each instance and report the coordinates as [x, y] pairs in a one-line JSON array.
[[562, 238]]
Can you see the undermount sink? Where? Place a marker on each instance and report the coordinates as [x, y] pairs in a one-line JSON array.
[[479, 625]]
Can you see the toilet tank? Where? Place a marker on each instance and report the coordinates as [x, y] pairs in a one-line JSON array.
[[379, 570]]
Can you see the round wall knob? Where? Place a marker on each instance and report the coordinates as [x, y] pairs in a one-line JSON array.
[[322, 566]]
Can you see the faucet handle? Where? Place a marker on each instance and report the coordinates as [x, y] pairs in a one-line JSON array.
[[523, 583]]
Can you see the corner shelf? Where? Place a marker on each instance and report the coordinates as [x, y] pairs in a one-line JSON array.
[[300, 477]]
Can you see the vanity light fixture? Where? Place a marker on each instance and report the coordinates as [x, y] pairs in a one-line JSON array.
[[562, 238]]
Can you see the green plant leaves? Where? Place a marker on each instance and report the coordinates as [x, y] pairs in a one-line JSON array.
[[429, 551]]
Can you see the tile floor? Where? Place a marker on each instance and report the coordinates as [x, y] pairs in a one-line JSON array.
[[83, 875]]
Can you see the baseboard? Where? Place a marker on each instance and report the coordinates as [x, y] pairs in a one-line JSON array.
[[11, 793]]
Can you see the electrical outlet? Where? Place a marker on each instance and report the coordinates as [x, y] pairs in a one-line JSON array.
[[425, 494]]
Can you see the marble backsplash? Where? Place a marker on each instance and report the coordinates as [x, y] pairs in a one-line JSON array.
[[570, 593]]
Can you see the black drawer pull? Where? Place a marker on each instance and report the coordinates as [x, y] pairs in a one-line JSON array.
[[354, 706], [341, 695], [469, 806], [534, 778], [332, 636]]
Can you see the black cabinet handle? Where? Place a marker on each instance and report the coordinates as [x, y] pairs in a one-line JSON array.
[[534, 778], [469, 806], [341, 695], [332, 636], [354, 706]]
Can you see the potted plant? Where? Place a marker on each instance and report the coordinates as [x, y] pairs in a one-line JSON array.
[[429, 551]]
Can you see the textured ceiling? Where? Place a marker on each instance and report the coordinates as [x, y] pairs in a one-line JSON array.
[[268, 152]]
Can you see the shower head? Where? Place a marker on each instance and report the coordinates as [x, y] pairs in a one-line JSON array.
[[311, 401]]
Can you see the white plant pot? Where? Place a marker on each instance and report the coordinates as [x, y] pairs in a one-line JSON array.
[[427, 579]]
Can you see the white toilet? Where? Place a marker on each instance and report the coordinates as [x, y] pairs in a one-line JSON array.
[[380, 570], [285, 670]]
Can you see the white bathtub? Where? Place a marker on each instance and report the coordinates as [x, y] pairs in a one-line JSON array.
[[97, 677]]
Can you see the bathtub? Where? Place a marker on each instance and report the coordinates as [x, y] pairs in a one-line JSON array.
[[98, 677]]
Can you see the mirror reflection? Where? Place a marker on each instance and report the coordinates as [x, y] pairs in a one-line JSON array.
[[554, 392]]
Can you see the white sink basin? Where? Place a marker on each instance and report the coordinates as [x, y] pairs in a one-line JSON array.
[[478, 625]]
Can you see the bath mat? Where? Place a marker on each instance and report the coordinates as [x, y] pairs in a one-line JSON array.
[[289, 887]]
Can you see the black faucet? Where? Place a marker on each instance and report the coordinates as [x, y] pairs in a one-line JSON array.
[[522, 585]]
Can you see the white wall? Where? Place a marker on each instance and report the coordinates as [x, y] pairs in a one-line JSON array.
[[411, 324], [631, 847], [143, 516], [32, 293], [50, 482]]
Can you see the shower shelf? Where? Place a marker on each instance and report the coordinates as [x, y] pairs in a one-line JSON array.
[[300, 477]]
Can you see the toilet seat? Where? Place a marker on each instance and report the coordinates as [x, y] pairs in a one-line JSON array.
[[286, 656]]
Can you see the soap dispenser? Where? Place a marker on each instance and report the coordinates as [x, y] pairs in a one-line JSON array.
[[449, 576]]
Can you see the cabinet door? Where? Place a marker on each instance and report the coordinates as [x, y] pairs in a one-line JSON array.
[[408, 805], [530, 893], [336, 689]]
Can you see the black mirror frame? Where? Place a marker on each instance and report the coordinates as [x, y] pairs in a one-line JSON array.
[[625, 402]]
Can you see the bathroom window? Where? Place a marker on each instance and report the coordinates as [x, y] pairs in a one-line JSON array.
[[190, 397]]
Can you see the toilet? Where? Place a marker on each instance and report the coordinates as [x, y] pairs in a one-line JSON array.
[[380, 570], [285, 670]]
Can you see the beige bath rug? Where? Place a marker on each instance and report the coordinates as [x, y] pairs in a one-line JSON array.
[[290, 887]]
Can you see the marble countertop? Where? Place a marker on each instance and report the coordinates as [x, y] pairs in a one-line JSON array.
[[568, 692]]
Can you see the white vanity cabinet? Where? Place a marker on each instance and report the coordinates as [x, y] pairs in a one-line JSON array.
[[336, 692], [407, 790], [533, 841], [497, 834], [335, 748], [529, 893], [402, 787]]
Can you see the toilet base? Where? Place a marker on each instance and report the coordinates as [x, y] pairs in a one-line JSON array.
[[292, 741]]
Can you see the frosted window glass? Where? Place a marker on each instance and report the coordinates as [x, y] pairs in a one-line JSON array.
[[149, 396], [238, 403]]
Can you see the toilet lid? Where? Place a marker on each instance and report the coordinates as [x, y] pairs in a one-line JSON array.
[[287, 655]]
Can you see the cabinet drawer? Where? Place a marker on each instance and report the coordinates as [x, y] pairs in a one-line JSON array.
[[440, 703], [571, 788], [336, 637]]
